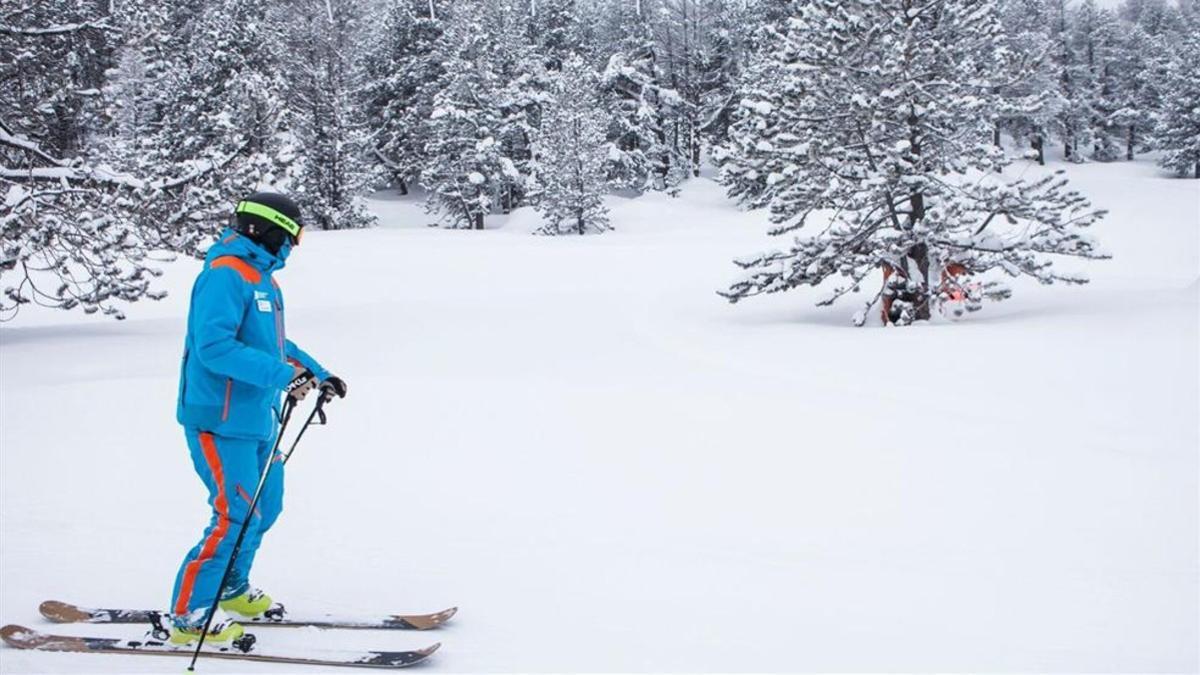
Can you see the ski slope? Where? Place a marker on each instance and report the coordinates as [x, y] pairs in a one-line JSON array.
[[609, 468]]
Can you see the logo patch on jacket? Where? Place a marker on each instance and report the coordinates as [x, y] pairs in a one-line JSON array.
[[260, 298]]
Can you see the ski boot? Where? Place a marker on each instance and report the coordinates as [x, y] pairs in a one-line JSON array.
[[184, 631], [253, 605]]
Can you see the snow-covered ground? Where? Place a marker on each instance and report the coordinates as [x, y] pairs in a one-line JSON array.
[[608, 468]]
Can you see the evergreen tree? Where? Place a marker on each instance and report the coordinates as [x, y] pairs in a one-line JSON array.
[[1094, 44], [333, 166], [1029, 97], [400, 71], [759, 149], [890, 150], [52, 64], [1178, 132], [555, 30], [465, 170], [571, 155], [640, 106], [73, 230], [1141, 74], [225, 106], [1075, 115], [520, 69]]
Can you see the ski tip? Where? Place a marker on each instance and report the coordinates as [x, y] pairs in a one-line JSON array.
[[62, 612], [429, 650], [424, 621], [16, 635]]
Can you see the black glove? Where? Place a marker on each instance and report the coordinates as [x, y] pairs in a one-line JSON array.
[[333, 385], [303, 381]]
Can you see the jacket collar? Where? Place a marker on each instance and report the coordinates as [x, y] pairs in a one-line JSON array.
[[236, 244]]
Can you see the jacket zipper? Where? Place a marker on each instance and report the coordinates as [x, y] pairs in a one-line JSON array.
[[228, 392]]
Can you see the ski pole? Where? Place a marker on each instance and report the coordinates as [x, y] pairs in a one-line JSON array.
[[288, 406]]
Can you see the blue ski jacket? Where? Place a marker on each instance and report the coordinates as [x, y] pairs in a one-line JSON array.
[[236, 356]]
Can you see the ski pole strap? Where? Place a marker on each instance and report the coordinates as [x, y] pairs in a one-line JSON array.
[[318, 411]]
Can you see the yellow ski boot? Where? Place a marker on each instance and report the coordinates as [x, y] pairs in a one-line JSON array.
[[223, 631], [253, 605]]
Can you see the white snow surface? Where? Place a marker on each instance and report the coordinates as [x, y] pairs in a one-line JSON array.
[[608, 468]]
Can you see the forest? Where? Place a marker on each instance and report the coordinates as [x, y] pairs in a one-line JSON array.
[[128, 129]]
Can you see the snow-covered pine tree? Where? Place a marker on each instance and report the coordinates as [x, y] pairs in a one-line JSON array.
[[53, 56], [757, 132], [1074, 121], [464, 163], [334, 170], [1140, 64], [226, 106], [1177, 134], [556, 31], [68, 236], [521, 71], [570, 154], [641, 107], [1030, 102], [1094, 42], [887, 159], [721, 58], [400, 74], [68, 232]]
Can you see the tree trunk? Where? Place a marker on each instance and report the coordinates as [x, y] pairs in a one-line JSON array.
[[402, 188], [1129, 144], [1039, 144], [920, 254], [478, 218], [1197, 171]]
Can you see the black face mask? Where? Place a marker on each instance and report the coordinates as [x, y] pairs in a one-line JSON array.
[[272, 239]]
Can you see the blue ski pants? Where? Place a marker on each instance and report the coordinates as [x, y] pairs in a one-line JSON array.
[[230, 469]]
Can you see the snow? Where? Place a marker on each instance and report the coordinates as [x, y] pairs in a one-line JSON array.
[[608, 468]]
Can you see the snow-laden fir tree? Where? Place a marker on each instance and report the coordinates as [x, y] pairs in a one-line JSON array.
[[53, 57], [1140, 63], [570, 154], [1029, 96], [641, 106], [1177, 134], [1094, 40], [69, 235], [720, 60], [521, 71], [400, 74], [885, 161], [556, 31], [1074, 121], [333, 169], [465, 168], [226, 105], [746, 159]]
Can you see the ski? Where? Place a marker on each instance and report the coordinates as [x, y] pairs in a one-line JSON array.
[[63, 612], [20, 637]]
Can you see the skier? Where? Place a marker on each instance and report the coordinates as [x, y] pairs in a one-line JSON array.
[[237, 362]]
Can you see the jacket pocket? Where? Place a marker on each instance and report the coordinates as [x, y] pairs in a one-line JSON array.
[[228, 395]]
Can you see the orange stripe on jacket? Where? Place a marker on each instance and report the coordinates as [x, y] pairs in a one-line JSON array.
[[214, 538], [243, 268]]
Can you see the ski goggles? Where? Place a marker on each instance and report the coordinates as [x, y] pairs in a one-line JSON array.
[[296, 230]]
